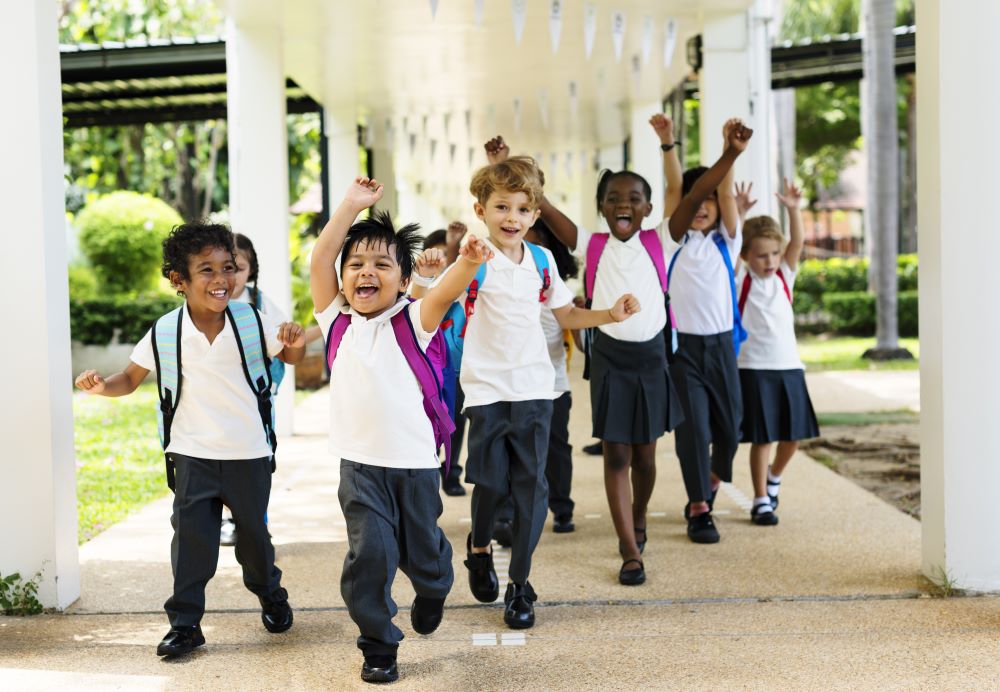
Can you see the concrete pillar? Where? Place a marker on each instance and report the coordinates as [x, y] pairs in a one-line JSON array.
[[646, 159], [342, 149], [38, 510], [959, 370], [258, 166]]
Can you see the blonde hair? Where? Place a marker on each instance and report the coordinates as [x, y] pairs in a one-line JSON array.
[[761, 227], [516, 174]]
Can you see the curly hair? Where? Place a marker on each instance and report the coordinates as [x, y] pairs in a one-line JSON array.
[[606, 178], [516, 174], [190, 239], [377, 230]]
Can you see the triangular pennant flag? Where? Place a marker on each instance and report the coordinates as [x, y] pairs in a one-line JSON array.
[[583, 161], [589, 27], [618, 33], [468, 122], [669, 41], [569, 164], [452, 148], [519, 8], [413, 144], [434, 146], [434, 9], [636, 70], [517, 115], [405, 122], [553, 164], [543, 108], [555, 23], [479, 12], [447, 122], [472, 156], [647, 38], [423, 125], [574, 100]]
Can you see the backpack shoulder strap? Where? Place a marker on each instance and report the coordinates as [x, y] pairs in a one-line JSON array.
[[542, 266], [166, 340], [739, 333], [249, 331], [472, 294], [650, 240], [744, 291], [336, 334], [595, 249], [784, 285]]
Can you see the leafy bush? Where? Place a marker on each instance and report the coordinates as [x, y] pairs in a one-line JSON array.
[[82, 282], [854, 312], [19, 596], [97, 321], [122, 236]]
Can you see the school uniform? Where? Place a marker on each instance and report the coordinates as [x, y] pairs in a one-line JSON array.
[[632, 398], [704, 368], [776, 403], [509, 386], [220, 454], [389, 478]]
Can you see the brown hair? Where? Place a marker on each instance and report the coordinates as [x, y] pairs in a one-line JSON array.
[[516, 174], [760, 227]]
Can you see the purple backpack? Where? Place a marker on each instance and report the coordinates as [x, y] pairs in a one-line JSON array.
[[427, 367]]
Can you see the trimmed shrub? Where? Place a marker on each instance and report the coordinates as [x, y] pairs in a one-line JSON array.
[[82, 282], [854, 312], [122, 236], [98, 321]]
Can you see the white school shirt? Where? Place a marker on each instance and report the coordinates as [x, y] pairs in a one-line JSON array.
[[700, 293], [554, 339], [770, 323], [267, 306], [505, 357], [376, 406], [626, 267], [217, 415]]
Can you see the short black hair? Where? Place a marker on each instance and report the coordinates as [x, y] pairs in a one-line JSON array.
[[566, 264], [606, 178], [438, 237], [377, 229], [691, 176], [190, 239], [244, 245]]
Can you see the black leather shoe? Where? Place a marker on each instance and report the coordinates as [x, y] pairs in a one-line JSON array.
[[483, 580], [632, 577], [701, 529], [503, 532], [519, 614], [275, 612], [563, 523], [377, 670], [595, 449], [180, 641], [426, 614], [711, 504], [453, 488]]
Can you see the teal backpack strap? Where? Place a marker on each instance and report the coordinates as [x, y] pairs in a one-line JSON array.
[[166, 340], [250, 339]]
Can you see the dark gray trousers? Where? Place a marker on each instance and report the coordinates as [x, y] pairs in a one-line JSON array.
[[202, 486], [707, 380], [508, 447], [391, 517], [457, 437]]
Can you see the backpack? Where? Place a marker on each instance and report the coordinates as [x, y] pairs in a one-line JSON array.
[[745, 290], [252, 344], [456, 320], [427, 367], [277, 366], [650, 240], [739, 333]]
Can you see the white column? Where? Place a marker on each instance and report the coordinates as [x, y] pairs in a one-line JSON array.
[[735, 81], [959, 369], [38, 509], [645, 156], [342, 149], [258, 166]]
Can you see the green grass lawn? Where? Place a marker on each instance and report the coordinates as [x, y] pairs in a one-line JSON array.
[[844, 353], [118, 457]]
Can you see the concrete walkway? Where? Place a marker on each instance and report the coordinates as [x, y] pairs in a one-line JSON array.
[[830, 598]]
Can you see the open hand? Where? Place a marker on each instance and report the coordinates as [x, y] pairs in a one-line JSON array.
[[456, 231], [476, 251], [90, 381], [292, 335], [364, 192], [790, 197], [664, 128], [431, 262], [743, 201], [737, 134], [496, 150], [625, 307]]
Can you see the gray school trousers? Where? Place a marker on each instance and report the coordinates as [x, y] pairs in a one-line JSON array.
[[391, 517], [508, 447], [202, 486]]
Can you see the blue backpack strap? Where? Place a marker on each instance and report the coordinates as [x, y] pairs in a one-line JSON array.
[[739, 333], [166, 340], [542, 265], [252, 343]]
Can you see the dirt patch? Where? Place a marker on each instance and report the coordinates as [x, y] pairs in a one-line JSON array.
[[883, 459]]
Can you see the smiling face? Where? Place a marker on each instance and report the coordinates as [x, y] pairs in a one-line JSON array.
[[508, 216], [625, 206], [707, 216], [213, 278], [371, 278], [763, 256]]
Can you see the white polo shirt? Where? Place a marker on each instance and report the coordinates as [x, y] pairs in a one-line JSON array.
[[217, 416], [555, 340], [700, 291], [376, 406], [770, 323], [267, 306], [626, 267], [505, 357]]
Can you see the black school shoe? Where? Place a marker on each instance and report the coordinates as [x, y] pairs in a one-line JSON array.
[[563, 523], [701, 529], [180, 641], [595, 449], [518, 612], [711, 504], [763, 515], [378, 669], [634, 576], [453, 487], [275, 612], [426, 614], [483, 580], [503, 532]]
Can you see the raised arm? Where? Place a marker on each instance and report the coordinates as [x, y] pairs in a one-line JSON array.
[[672, 171], [428, 265], [571, 317], [120, 384], [729, 208], [453, 239], [293, 340], [440, 297], [791, 199], [323, 281], [744, 201]]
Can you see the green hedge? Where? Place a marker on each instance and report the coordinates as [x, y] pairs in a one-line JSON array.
[[95, 321], [854, 312]]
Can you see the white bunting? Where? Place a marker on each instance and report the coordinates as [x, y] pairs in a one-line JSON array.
[[413, 144], [468, 122], [583, 161], [447, 122], [647, 38], [434, 146], [517, 115], [543, 108], [636, 71], [574, 100], [479, 12], [618, 33], [519, 8], [452, 148], [553, 164], [423, 126], [434, 9], [555, 23], [669, 41], [405, 122], [472, 155], [569, 164], [589, 27]]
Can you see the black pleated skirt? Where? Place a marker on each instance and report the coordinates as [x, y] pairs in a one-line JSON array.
[[632, 398], [776, 406]]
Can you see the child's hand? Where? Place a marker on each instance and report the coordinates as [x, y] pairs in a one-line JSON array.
[[496, 150], [792, 197], [292, 335], [664, 127], [431, 262], [90, 381], [743, 201], [736, 134], [363, 192], [476, 251], [626, 306], [456, 231]]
